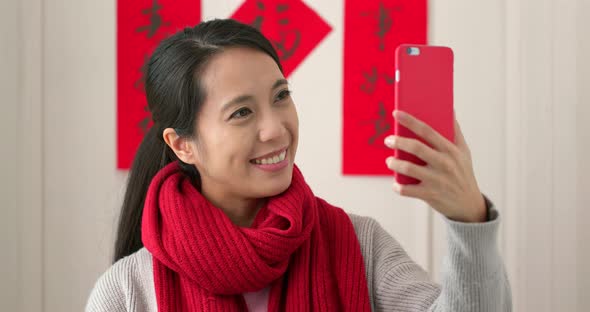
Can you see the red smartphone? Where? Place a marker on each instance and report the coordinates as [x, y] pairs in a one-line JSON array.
[[424, 89]]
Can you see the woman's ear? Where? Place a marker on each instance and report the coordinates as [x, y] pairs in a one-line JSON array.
[[181, 146]]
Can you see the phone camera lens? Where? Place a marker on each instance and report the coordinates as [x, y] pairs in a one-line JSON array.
[[414, 51]]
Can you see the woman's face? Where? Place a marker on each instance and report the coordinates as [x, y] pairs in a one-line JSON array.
[[247, 128]]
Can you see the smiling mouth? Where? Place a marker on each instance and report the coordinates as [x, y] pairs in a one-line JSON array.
[[270, 159]]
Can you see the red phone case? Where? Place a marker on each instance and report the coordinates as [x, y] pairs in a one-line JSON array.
[[424, 89]]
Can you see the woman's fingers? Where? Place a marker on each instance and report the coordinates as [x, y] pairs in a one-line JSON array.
[[415, 147], [408, 168], [410, 190], [423, 130]]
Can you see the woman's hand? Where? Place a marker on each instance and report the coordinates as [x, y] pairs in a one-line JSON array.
[[447, 180]]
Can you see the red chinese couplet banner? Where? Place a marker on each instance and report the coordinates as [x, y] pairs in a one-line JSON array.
[[372, 32], [293, 28], [141, 25]]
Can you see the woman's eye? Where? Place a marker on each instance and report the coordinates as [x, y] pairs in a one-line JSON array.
[[241, 113], [283, 95]]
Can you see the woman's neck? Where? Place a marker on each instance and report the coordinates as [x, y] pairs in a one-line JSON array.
[[241, 211], [242, 214]]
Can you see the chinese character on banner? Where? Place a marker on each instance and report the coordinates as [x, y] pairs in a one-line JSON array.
[[372, 32], [141, 25], [293, 28]]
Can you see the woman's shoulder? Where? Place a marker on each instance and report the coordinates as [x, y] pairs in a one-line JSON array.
[[363, 222], [367, 229], [125, 286], [378, 246]]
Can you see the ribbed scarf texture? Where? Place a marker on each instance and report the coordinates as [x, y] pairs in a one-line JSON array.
[[302, 247]]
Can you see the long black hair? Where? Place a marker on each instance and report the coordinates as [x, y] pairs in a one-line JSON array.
[[174, 96]]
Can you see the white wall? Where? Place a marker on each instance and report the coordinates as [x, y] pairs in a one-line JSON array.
[[30, 152], [8, 170], [583, 148], [82, 189], [521, 100], [547, 131]]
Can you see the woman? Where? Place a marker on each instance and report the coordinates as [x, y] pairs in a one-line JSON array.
[[217, 217]]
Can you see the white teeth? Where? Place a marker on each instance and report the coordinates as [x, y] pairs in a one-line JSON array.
[[272, 160]]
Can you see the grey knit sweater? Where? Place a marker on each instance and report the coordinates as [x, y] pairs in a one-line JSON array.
[[474, 278]]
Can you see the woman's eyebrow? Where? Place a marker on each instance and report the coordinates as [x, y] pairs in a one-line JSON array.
[[279, 83], [245, 97], [237, 100]]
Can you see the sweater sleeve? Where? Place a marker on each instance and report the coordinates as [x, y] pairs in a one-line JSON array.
[[127, 285], [473, 278], [108, 293]]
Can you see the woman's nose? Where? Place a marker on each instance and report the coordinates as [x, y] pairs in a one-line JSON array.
[[272, 127]]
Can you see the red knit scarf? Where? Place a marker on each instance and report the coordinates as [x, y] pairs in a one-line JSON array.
[[300, 245]]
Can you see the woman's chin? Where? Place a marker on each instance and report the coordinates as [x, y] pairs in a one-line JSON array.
[[275, 186]]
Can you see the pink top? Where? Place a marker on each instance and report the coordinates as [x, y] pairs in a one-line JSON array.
[[257, 301]]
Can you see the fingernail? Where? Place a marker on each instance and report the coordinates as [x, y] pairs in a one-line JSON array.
[[388, 161], [390, 140]]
